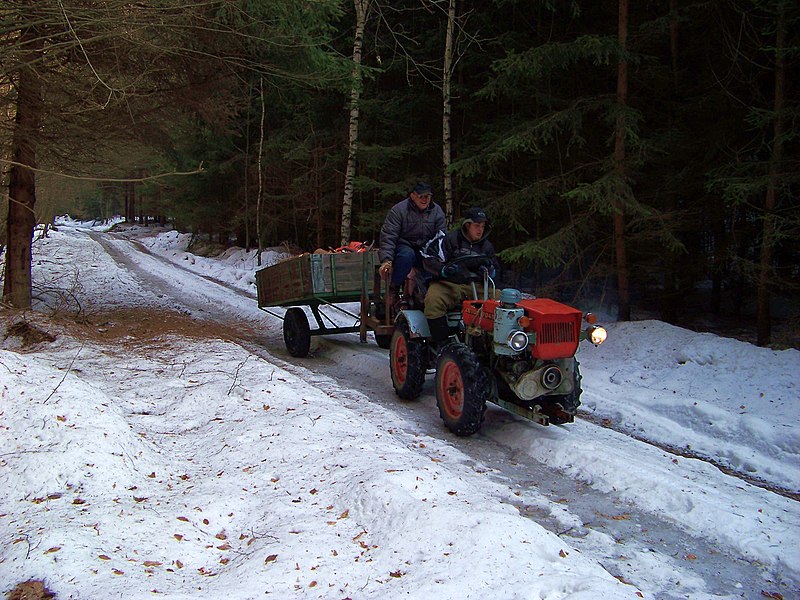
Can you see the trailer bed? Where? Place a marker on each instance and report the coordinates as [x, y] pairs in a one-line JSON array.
[[309, 278], [315, 280]]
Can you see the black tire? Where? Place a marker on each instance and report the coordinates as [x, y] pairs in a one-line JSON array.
[[463, 387], [407, 363], [383, 341], [566, 403], [296, 333]]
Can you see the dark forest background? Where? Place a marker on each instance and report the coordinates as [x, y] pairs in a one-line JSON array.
[[641, 156]]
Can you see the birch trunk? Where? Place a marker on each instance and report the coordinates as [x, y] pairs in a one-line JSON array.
[[447, 75], [362, 9]]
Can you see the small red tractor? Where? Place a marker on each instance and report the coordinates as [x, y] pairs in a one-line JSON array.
[[513, 352]]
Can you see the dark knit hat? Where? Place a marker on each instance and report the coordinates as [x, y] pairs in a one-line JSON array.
[[475, 215], [422, 188]]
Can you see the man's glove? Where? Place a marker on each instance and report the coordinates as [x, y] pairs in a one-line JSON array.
[[449, 271], [385, 268]]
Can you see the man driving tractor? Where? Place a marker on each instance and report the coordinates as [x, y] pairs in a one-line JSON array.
[[450, 287]]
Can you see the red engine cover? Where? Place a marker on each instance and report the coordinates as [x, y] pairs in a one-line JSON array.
[[557, 326]]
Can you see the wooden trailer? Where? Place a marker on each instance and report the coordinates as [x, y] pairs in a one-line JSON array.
[[330, 280]]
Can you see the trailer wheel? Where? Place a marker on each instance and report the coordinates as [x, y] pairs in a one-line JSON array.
[[296, 333], [569, 403], [462, 389], [383, 340], [407, 363]]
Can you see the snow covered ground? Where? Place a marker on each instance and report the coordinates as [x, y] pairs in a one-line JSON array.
[[146, 453]]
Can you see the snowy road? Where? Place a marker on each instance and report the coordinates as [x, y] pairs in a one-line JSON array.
[[672, 526]]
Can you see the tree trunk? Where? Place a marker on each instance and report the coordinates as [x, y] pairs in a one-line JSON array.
[[260, 172], [670, 298], [447, 74], [130, 213], [619, 166], [247, 173], [21, 219], [764, 316], [362, 9]]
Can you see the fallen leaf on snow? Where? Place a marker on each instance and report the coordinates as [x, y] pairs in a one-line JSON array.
[[271, 558]]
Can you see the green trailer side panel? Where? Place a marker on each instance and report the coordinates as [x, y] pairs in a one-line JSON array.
[[328, 277]]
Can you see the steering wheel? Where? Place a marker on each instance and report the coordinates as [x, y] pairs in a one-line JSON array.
[[468, 267]]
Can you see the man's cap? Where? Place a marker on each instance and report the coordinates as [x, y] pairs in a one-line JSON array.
[[475, 215], [422, 188]]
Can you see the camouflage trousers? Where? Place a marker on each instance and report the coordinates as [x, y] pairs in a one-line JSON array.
[[444, 296]]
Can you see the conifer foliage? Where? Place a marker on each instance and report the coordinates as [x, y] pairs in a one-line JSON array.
[[641, 153]]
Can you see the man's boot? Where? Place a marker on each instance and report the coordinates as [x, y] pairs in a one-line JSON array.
[[440, 332]]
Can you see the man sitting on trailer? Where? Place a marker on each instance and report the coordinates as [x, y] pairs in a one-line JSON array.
[[409, 224], [451, 287]]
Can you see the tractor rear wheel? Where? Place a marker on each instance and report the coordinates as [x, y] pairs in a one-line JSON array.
[[407, 363], [383, 340], [462, 389]]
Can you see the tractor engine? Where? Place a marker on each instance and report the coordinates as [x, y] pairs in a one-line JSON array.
[[530, 344]]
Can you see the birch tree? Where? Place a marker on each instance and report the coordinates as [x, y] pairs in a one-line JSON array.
[[362, 8], [447, 75]]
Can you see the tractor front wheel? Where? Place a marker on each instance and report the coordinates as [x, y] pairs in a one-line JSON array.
[[462, 389], [563, 408]]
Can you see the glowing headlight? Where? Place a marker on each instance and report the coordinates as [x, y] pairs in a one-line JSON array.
[[517, 341], [597, 335]]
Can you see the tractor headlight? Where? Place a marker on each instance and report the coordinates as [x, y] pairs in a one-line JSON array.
[[517, 341], [597, 335]]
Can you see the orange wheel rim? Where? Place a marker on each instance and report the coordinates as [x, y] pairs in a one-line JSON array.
[[400, 360], [451, 389]]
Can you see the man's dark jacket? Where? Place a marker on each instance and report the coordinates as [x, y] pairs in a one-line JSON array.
[[445, 247], [406, 224]]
